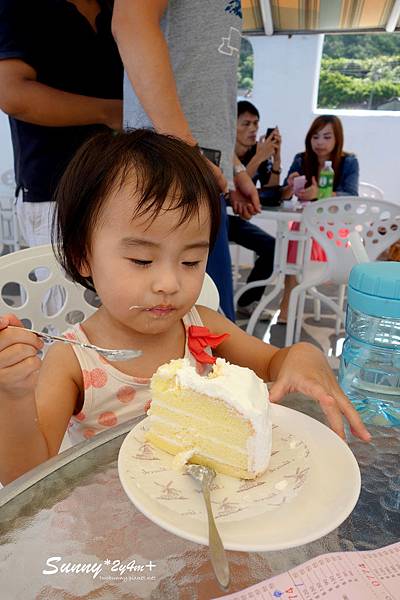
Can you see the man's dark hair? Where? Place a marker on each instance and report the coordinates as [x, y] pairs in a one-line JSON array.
[[164, 169], [246, 106]]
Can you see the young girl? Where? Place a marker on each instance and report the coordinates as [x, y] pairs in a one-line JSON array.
[[324, 141], [137, 213]]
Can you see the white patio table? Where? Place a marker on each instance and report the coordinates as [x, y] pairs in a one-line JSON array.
[[283, 216]]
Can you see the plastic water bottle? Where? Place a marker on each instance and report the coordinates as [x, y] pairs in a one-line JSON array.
[[325, 181], [369, 370]]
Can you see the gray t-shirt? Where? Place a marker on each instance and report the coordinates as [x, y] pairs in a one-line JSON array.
[[204, 43]]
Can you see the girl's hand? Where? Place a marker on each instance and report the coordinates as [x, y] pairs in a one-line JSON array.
[[306, 370], [309, 193], [19, 362]]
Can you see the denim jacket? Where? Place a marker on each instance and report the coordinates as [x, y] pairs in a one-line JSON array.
[[349, 175]]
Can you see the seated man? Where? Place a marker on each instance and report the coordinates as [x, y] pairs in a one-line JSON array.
[[262, 162]]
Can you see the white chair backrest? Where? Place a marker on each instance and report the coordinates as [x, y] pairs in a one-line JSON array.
[[368, 190], [27, 276], [357, 247], [9, 231], [19, 274], [331, 221], [209, 295]]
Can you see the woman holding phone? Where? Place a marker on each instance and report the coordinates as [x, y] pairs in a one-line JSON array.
[[324, 141]]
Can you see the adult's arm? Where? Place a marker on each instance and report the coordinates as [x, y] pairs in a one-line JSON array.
[[348, 183], [144, 52], [26, 99]]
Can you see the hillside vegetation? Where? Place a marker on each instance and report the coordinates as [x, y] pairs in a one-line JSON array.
[[357, 71]]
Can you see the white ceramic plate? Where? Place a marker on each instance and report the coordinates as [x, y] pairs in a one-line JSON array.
[[233, 499], [327, 497]]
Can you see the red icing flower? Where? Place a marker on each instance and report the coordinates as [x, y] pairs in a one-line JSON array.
[[201, 337]]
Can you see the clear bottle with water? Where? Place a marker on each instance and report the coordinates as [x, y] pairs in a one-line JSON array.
[[369, 370]]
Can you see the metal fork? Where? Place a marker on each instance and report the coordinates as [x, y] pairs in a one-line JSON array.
[[217, 551], [108, 353]]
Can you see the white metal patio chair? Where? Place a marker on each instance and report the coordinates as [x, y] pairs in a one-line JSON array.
[[369, 190], [9, 230], [330, 222], [19, 273]]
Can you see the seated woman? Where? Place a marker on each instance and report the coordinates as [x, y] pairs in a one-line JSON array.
[[262, 160], [324, 141]]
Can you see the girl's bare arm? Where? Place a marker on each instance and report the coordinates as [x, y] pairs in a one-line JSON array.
[[37, 399]]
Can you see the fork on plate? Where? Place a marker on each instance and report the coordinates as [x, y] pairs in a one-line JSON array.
[[219, 561]]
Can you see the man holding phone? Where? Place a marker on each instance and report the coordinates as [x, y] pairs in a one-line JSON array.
[[261, 158], [262, 162]]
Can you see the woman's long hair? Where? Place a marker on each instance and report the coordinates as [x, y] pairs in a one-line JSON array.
[[310, 158]]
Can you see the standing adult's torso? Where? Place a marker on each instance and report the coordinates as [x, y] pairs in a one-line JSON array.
[[66, 52], [204, 43]]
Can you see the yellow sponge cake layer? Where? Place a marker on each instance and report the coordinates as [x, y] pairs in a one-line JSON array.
[[222, 420], [200, 459], [188, 437], [225, 421]]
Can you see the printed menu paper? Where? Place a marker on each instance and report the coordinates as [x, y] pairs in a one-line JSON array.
[[367, 575]]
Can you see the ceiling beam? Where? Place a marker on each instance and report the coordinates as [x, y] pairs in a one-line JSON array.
[[266, 13], [393, 17]]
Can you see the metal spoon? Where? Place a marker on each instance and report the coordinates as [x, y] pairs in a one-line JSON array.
[[109, 354], [217, 551]]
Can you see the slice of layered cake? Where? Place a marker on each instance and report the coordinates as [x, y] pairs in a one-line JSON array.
[[221, 420]]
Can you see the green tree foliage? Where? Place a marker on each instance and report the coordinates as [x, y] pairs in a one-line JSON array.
[[361, 45], [246, 67], [359, 71]]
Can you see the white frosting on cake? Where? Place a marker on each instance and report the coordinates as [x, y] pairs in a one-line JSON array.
[[240, 388]]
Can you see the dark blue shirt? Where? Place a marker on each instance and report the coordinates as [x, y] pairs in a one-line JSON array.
[[263, 172], [348, 176], [54, 38]]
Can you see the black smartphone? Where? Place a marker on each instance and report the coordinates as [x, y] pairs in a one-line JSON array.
[[213, 155], [269, 131]]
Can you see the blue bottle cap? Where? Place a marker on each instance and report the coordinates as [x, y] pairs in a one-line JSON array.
[[374, 289]]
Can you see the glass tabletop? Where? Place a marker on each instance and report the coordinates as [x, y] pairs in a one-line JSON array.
[[69, 531]]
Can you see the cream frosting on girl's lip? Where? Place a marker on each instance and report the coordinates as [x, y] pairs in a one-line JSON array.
[[159, 307]]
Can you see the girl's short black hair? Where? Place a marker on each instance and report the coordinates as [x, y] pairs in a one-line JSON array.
[[163, 166]]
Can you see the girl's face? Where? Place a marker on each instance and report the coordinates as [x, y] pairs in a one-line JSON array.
[[155, 264], [323, 142]]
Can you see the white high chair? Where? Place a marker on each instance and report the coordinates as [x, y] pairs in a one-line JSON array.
[[209, 295], [19, 272], [330, 222], [19, 278]]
